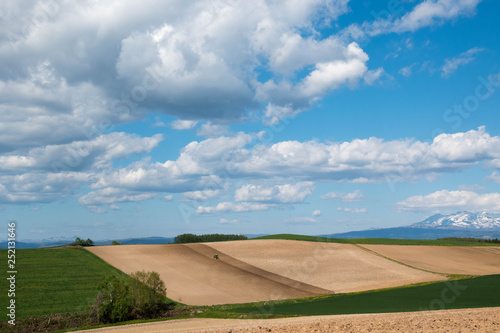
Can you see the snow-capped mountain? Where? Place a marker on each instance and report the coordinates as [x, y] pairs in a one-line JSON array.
[[461, 220]]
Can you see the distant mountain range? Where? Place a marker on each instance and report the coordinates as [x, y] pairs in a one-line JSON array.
[[53, 242], [461, 224], [61, 241], [461, 220]]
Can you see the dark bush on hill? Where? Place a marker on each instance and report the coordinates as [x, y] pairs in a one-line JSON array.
[[81, 242], [191, 238]]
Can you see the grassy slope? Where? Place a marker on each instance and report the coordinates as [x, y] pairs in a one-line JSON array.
[[51, 281], [382, 241], [467, 293]]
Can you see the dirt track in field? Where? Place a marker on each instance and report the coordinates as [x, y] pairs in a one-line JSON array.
[[464, 320], [480, 260], [259, 270]]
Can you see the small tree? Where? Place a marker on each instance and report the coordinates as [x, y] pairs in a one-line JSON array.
[[116, 243], [148, 293], [113, 304]]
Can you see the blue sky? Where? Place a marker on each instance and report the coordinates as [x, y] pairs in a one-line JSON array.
[[310, 117]]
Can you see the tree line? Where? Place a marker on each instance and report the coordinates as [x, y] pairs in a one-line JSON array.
[[192, 238], [469, 239]]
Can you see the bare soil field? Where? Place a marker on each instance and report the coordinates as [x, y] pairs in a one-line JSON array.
[[481, 260], [463, 320], [260, 270], [193, 277], [337, 267]]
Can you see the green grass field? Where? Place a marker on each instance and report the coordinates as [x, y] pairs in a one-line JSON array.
[[58, 280], [381, 241], [466, 293]]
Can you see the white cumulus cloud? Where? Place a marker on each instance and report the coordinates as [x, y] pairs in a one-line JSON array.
[[113, 195], [79, 155], [40, 187], [434, 12], [495, 176], [452, 200], [425, 14], [226, 221], [214, 162], [407, 71], [300, 219], [183, 124], [355, 196], [224, 207], [201, 195], [287, 193], [352, 210]]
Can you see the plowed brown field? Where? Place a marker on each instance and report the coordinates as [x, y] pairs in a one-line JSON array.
[[332, 266], [193, 277], [481, 260], [259, 270]]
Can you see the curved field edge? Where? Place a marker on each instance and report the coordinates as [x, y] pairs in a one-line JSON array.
[[477, 292], [377, 241], [450, 276]]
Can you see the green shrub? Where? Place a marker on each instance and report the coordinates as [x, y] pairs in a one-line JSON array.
[[142, 297], [113, 304]]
